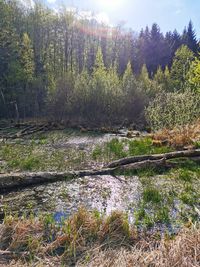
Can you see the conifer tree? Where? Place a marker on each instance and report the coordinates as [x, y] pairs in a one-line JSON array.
[[189, 38]]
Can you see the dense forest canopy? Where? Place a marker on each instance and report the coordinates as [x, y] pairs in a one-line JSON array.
[[67, 67]]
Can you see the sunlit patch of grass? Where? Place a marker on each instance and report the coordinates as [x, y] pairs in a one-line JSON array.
[[139, 214], [116, 148], [142, 218], [144, 147], [152, 195], [84, 235], [185, 175]]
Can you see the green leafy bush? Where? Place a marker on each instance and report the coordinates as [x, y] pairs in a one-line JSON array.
[[169, 110]]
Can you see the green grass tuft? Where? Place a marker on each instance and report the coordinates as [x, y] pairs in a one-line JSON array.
[[152, 195]]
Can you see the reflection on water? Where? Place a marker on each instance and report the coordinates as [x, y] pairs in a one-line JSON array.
[[104, 193]]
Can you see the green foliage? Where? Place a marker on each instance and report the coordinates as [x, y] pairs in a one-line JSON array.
[[194, 74], [116, 148], [144, 147], [169, 110], [162, 215], [152, 195], [55, 65], [187, 198], [26, 58], [134, 95], [180, 67], [97, 152], [30, 163], [185, 175]]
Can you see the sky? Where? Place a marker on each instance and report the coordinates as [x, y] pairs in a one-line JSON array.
[[136, 14]]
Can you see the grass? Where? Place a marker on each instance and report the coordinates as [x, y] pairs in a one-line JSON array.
[[40, 152], [116, 149], [152, 195], [75, 237], [157, 201], [84, 238], [162, 189], [144, 147], [69, 239], [179, 137], [39, 156], [162, 215]]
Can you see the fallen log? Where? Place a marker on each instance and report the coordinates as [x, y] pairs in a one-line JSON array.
[[13, 181], [170, 155], [145, 164], [10, 181]]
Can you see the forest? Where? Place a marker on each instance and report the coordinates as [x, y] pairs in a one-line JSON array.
[[68, 68], [99, 140]]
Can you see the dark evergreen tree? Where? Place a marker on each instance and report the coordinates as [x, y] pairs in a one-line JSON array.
[[189, 38]]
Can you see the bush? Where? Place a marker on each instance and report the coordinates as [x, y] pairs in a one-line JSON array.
[[169, 110]]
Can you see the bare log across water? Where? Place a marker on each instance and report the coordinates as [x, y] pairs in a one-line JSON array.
[[170, 155], [10, 181]]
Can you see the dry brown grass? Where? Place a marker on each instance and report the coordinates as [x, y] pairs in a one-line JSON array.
[[183, 251], [179, 137], [21, 235], [89, 240]]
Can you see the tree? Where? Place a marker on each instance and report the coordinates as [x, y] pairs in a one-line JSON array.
[[180, 67], [194, 74], [9, 58], [145, 81], [27, 75], [134, 99], [189, 38]]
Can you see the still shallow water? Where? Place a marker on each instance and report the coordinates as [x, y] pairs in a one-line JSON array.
[[104, 193]]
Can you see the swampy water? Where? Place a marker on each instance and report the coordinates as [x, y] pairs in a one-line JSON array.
[[104, 193], [176, 195]]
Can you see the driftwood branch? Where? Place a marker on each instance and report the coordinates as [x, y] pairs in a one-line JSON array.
[[170, 155]]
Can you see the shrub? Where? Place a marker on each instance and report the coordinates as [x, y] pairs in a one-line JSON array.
[[170, 110]]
